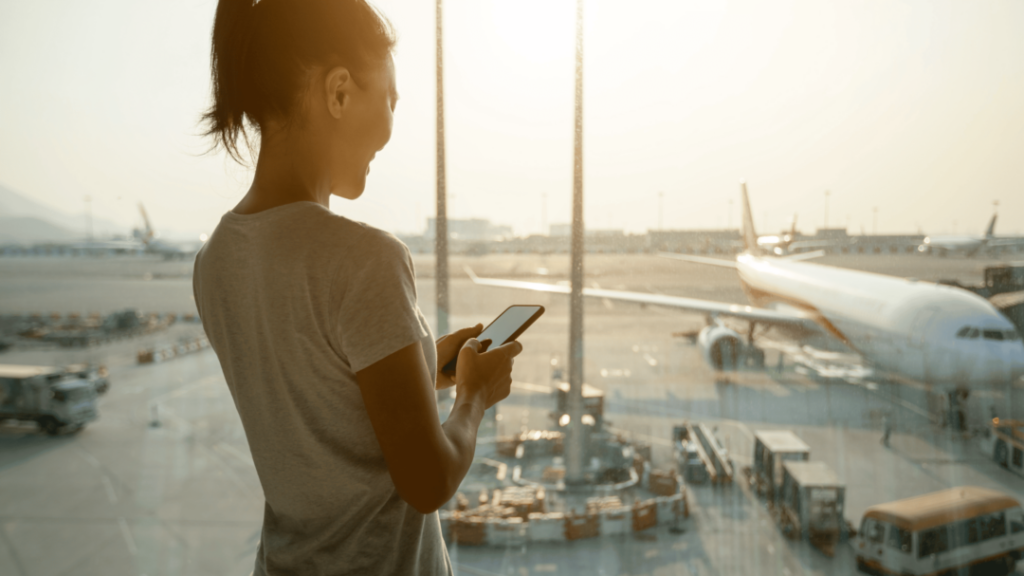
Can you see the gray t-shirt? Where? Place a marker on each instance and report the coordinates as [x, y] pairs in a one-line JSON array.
[[296, 300]]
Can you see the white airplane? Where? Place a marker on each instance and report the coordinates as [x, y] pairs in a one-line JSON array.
[[946, 337], [154, 245], [968, 245], [787, 243]]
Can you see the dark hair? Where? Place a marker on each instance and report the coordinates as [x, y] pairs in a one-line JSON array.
[[263, 52]]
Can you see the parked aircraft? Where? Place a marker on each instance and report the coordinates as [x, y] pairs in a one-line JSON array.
[[968, 245], [154, 245], [786, 243], [946, 337]]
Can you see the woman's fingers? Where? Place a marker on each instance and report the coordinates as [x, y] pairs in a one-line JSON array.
[[510, 349], [473, 344], [468, 332]]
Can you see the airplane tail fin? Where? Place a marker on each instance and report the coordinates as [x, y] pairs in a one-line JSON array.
[[749, 235], [148, 232], [991, 230]]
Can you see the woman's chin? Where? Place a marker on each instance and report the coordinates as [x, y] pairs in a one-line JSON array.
[[351, 191]]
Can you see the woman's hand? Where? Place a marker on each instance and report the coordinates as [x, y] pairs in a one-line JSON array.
[[486, 376], [447, 347]]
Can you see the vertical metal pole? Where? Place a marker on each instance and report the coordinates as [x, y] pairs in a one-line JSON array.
[[441, 224], [574, 452]]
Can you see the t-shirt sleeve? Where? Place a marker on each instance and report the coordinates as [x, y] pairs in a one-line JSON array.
[[377, 314]]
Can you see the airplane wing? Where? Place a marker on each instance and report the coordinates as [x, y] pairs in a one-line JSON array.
[[699, 260], [739, 311]]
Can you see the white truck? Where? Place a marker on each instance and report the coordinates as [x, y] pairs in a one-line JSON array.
[[51, 397]]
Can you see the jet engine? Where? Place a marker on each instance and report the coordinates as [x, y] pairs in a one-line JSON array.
[[723, 347]]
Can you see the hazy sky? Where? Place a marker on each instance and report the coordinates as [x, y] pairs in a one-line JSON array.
[[916, 107]]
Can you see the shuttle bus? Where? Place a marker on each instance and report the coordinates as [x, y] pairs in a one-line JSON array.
[[961, 531]]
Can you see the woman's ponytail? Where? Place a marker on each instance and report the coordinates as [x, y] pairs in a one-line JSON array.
[[262, 52], [233, 28]]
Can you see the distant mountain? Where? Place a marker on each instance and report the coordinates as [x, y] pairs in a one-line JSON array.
[[18, 206], [29, 230]]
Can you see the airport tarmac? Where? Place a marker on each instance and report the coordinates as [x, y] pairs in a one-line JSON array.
[[163, 484]]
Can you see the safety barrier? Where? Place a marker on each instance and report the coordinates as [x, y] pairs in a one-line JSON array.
[[664, 483], [672, 508], [494, 523], [505, 531], [579, 527], [152, 355], [546, 527], [615, 521], [645, 515]]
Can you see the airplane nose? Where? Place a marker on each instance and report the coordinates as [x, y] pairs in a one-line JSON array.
[[1008, 365]]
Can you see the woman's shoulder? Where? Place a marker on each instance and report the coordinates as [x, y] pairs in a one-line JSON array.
[[358, 244], [360, 235]]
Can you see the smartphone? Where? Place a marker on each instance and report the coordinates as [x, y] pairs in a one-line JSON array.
[[504, 329]]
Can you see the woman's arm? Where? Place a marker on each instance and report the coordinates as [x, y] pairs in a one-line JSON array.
[[427, 460]]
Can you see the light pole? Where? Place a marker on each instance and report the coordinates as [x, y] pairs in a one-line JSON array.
[[874, 223], [441, 223], [574, 441]]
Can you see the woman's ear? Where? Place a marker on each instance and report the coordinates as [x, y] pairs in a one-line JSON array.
[[338, 87]]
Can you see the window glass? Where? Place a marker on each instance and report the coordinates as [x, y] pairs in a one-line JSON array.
[[967, 532], [838, 271], [1015, 517], [900, 539], [991, 526], [933, 541], [874, 530]]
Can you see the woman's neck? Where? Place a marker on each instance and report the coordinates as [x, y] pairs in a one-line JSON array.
[[285, 173]]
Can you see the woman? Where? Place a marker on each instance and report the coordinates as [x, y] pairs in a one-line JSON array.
[[313, 316]]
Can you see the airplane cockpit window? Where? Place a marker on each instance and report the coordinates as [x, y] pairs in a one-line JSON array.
[[994, 335], [974, 333], [963, 332]]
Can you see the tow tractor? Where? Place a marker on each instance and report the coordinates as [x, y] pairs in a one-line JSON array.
[[1004, 441], [51, 397]]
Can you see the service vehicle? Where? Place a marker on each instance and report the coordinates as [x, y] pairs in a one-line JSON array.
[[48, 396], [965, 530], [772, 448], [1004, 441], [98, 375]]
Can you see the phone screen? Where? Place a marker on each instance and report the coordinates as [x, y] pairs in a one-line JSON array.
[[503, 328]]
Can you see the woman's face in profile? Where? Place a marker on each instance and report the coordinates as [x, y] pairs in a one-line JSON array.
[[366, 130]]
